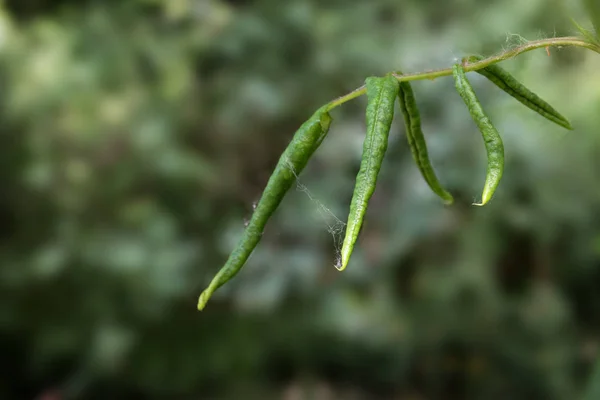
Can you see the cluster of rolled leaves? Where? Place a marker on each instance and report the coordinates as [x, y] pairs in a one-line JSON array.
[[382, 93]]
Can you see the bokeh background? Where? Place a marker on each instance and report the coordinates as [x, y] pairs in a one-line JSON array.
[[136, 135]]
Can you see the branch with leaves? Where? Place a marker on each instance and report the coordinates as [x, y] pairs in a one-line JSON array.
[[382, 93]]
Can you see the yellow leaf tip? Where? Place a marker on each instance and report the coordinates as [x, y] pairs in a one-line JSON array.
[[202, 300]]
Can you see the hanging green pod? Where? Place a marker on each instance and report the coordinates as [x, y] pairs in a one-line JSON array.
[[493, 142], [381, 96], [304, 143], [416, 140]]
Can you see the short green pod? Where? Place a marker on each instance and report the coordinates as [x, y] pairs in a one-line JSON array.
[[505, 81], [416, 140], [304, 143], [381, 96], [493, 142]]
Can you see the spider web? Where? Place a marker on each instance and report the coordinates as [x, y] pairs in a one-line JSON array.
[[335, 226]]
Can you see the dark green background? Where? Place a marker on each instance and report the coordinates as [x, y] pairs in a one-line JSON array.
[[136, 135]]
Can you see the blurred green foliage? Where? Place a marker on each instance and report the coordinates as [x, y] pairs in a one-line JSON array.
[[135, 136]]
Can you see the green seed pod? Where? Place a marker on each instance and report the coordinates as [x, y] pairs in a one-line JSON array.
[[381, 95], [416, 140], [306, 140], [505, 81], [491, 137]]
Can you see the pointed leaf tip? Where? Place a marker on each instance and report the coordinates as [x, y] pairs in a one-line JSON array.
[[202, 300]]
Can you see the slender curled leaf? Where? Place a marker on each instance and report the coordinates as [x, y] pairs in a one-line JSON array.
[[505, 81], [593, 11], [306, 140], [381, 95], [416, 140], [491, 137], [589, 35]]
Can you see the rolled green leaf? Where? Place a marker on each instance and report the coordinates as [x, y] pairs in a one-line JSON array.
[[416, 140], [381, 95], [306, 140], [505, 81], [493, 142]]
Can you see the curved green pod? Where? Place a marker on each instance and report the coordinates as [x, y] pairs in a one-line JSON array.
[[491, 137], [505, 81], [304, 143], [416, 140], [381, 96]]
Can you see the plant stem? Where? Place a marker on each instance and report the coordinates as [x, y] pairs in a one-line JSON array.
[[505, 55]]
